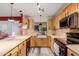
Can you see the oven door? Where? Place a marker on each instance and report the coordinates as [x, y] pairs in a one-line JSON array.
[[56, 49]]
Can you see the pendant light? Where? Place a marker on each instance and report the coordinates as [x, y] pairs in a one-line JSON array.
[[11, 17], [40, 20], [38, 5], [24, 26]]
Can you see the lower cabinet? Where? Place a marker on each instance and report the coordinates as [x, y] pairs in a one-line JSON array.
[[27, 46], [20, 50], [71, 53], [40, 42], [13, 52]]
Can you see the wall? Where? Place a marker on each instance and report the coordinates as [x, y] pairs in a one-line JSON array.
[[42, 19], [9, 27]]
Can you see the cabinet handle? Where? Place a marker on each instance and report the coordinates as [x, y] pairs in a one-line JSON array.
[[72, 54], [10, 54], [20, 51], [23, 43], [17, 54]]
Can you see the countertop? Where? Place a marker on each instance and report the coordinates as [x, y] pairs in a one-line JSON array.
[[9, 43], [63, 39], [74, 47], [60, 38]]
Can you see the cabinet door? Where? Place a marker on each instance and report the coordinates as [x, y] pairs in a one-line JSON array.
[[71, 53], [52, 43], [50, 24], [30, 23], [63, 14], [78, 7], [27, 45], [32, 41], [22, 49], [14, 52], [72, 8]]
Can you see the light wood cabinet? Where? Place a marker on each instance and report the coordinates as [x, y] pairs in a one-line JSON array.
[[72, 8], [31, 23], [63, 14], [13, 52], [28, 46], [78, 7], [71, 53], [52, 44], [50, 24], [22, 49], [40, 42]]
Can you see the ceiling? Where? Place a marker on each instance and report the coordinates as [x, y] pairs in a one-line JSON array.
[[31, 9]]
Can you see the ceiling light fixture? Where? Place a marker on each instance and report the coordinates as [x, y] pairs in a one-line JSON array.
[[11, 17], [20, 11], [38, 5], [40, 20], [24, 26]]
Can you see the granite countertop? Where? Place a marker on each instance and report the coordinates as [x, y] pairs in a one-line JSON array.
[[9, 43], [74, 47]]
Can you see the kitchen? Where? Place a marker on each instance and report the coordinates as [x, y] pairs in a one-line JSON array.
[[39, 29]]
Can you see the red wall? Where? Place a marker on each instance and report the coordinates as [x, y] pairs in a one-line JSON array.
[[17, 18]]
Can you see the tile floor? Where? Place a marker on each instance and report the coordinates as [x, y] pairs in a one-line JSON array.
[[40, 52]]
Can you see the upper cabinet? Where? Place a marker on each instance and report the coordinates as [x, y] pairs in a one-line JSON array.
[[72, 8], [70, 17], [50, 24], [67, 18], [62, 14], [31, 23], [27, 21]]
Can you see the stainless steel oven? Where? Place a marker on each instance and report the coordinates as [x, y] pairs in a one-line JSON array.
[[61, 49]]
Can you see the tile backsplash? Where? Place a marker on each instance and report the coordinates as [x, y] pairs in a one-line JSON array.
[[62, 31]]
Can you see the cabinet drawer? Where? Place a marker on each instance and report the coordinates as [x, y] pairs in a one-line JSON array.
[[71, 53]]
